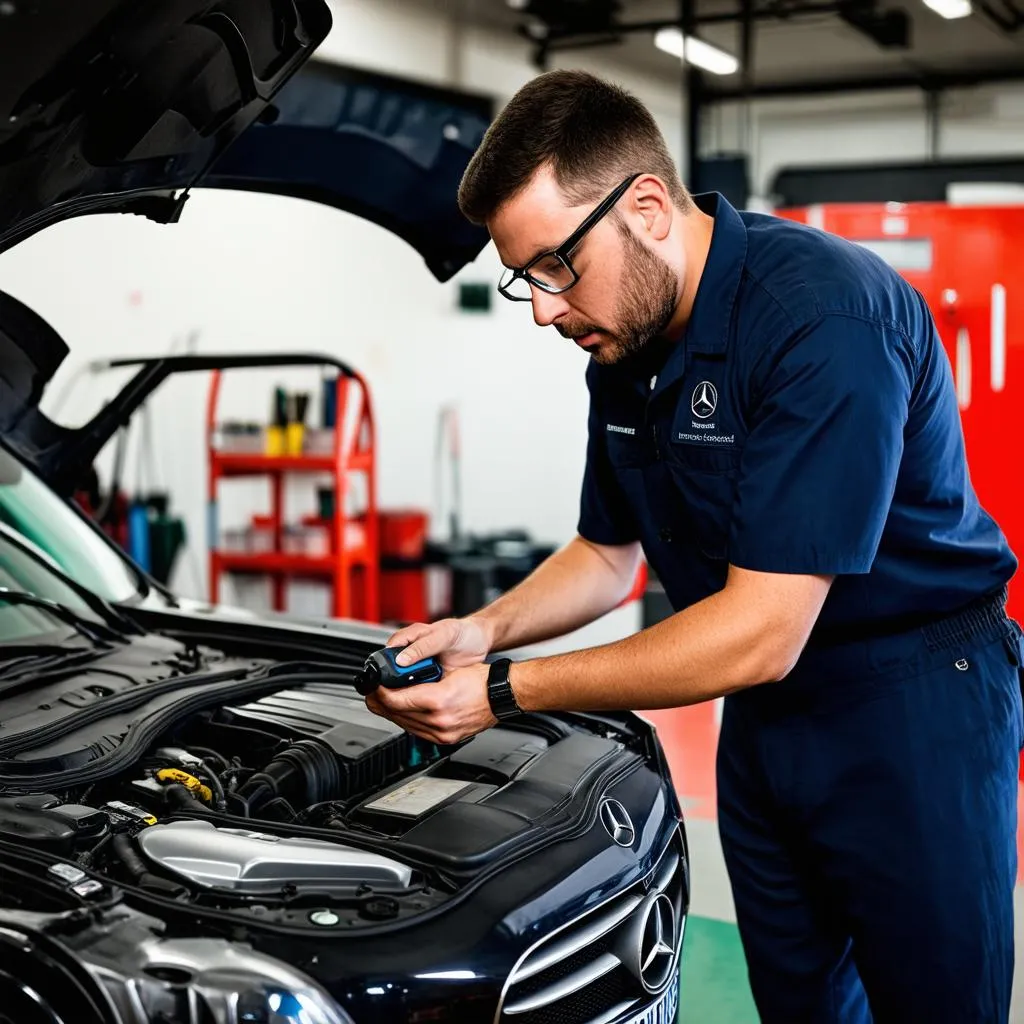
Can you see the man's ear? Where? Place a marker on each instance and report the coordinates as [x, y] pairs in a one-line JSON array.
[[652, 203]]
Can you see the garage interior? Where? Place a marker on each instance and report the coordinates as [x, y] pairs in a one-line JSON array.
[[896, 123]]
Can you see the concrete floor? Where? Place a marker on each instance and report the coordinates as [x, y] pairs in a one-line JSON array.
[[714, 983]]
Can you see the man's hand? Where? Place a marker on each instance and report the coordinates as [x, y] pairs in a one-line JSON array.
[[445, 712], [456, 642]]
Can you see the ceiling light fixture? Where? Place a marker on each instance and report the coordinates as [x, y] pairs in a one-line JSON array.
[[710, 58], [950, 8]]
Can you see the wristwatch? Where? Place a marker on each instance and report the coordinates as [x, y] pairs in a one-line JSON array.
[[499, 690]]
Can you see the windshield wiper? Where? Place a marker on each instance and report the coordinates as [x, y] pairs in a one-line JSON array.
[[29, 671], [97, 632], [104, 609]]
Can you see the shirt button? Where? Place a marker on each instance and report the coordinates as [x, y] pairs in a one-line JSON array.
[[665, 534]]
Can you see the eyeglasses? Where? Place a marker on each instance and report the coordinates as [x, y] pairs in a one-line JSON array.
[[552, 271]]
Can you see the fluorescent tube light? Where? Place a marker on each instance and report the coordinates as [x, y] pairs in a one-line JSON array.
[[704, 55], [950, 8]]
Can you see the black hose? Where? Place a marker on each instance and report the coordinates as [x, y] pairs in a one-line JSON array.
[[307, 772], [132, 861], [141, 875], [211, 755], [89, 858], [220, 799], [176, 793], [257, 792]]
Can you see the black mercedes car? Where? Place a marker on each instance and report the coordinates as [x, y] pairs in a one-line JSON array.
[[200, 821]]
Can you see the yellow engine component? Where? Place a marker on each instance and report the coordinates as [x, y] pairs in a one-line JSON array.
[[190, 782]]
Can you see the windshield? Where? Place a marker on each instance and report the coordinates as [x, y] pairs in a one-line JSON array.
[[22, 571], [29, 507]]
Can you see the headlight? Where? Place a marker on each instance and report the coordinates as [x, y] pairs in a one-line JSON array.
[[194, 980], [119, 969]]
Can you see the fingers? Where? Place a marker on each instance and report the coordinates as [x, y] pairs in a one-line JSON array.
[[409, 699], [407, 634], [439, 729], [445, 712], [448, 640], [417, 725], [435, 724], [427, 642], [374, 705]]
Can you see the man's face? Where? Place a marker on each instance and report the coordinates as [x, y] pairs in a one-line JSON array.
[[626, 294]]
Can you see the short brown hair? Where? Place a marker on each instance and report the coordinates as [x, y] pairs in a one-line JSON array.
[[592, 133]]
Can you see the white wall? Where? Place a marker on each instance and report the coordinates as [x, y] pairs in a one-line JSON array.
[[861, 128], [255, 272]]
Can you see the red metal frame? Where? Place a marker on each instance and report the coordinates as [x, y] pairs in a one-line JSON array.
[[976, 255], [639, 585], [352, 567]]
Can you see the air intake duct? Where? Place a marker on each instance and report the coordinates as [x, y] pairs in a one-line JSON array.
[[306, 773]]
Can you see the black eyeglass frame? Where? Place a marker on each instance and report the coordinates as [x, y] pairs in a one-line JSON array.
[[564, 251]]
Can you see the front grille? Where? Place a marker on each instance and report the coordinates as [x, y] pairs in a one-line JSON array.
[[590, 1003], [584, 973], [561, 969]]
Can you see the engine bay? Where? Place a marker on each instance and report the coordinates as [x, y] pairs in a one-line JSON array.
[[302, 808]]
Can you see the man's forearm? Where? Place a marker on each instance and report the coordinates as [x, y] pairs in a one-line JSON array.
[[751, 632], [720, 645], [572, 588]]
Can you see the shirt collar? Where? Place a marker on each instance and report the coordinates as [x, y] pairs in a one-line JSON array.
[[708, 327], [707, 330]]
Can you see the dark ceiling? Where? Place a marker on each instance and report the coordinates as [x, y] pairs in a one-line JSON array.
[[796, 43]]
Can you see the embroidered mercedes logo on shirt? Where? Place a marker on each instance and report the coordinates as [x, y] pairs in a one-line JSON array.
[[704, 400]]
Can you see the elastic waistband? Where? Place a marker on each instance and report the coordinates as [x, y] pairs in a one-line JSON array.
[[827, 674], [974, 620], [939, 630]]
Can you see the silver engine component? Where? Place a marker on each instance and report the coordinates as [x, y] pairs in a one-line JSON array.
[[256, 864]]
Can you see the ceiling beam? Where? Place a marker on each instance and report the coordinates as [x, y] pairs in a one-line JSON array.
[[929, 81], [747, 13], [1009, 21]]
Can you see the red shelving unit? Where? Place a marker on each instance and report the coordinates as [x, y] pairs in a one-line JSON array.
[[352, 564]]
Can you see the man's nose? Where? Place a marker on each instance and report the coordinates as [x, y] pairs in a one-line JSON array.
[[547, 308]]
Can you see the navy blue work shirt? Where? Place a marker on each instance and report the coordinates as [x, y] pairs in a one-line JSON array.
[[806, 422]]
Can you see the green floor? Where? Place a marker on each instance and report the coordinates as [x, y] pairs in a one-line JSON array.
[[713, 976]]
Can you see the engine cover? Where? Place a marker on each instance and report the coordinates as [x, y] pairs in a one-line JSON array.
[[258, 864], [365, 749]]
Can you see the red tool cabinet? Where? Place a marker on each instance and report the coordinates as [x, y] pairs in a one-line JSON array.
[[968, 263], [351, 563]]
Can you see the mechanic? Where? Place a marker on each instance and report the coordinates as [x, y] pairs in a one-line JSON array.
[[773, 424]]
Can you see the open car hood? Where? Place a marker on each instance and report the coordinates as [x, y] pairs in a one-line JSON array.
[[125, 105]]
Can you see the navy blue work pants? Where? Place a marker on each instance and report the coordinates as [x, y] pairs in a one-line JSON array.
[[868, 811]]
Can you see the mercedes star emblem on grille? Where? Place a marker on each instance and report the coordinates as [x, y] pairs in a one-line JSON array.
[[617, 822], [657, 943]]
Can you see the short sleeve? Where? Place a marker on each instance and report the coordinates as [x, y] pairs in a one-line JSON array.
[[819, 467], [605, 515]]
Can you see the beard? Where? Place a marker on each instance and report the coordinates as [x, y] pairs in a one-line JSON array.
[[646, 305]]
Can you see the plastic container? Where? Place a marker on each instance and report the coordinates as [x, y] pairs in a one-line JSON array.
[[403, 533]]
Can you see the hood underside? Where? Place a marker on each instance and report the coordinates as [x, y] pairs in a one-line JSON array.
[[115, 104], [123, 106]]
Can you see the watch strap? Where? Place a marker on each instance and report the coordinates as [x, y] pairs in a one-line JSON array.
[[499, 690]]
